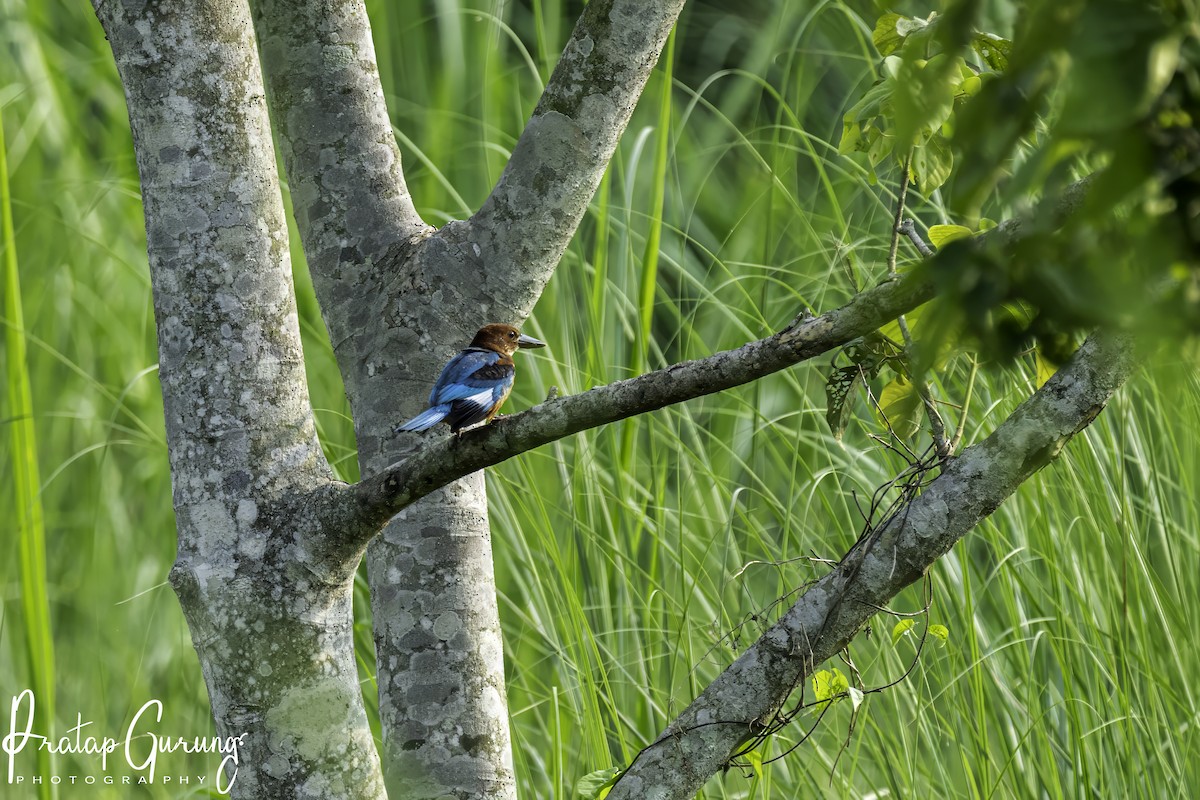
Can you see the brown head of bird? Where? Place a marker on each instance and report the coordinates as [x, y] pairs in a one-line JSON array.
[[503, 339]]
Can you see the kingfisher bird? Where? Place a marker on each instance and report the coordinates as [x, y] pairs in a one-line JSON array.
[[476, 382]]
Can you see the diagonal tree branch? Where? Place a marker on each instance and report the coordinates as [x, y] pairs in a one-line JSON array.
[[370, 503], [745, 698], [362, 509], [532, 213]]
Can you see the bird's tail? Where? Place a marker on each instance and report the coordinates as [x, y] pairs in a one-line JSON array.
[[426, 419]]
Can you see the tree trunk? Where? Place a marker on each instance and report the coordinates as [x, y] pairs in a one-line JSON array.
[[268, 601], [399, 300], [263, 576]]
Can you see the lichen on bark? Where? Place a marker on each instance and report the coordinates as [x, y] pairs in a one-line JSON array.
[[267, 605]]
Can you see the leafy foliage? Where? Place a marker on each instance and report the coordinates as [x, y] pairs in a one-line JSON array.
[[828, 686], [963, 109], [901, 407], [1128, 252], [900, 629], [909, 112]]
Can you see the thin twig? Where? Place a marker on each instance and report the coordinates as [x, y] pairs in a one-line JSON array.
[[909, 229], [900, 200], [937, 426]]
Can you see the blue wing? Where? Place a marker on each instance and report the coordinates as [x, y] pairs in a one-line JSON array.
[[469, 390], [474, 383]]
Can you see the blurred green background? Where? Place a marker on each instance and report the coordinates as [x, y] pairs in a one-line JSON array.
[[1073, 612]]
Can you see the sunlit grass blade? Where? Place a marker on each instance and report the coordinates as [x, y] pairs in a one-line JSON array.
[[658, 190], [648, 281], [27, 502], [596, 357]]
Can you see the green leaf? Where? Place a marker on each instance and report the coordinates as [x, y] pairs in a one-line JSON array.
[[860, 131], [820, 684], [891, 66], [940, 633], [828, 687], [900, 405], [902, 627], [923, 98], [886, 37], [870, 105], [755, 759], [892, 329], [939, 235], [880, 149], [993, 49], [988, 128], [868, 354], [891, 30], [595, 785], [932, 162], [838, 683], [852, 139]]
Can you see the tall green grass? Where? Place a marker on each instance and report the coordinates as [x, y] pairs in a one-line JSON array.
[[628, 583]]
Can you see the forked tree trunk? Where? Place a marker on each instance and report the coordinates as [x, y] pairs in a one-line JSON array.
[[264, 579], [399, 299]]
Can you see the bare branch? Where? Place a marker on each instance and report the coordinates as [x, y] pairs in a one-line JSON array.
[[362, 509], [897, 223], [746, 697], [909, 229], [343, 166], [937, 427], [533, 211], [369, 504]]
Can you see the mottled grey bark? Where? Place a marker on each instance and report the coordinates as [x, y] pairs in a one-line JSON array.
[[743, 700], [267, 600], [437, 634], [440, 666], [348, 192], [399, 299]]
